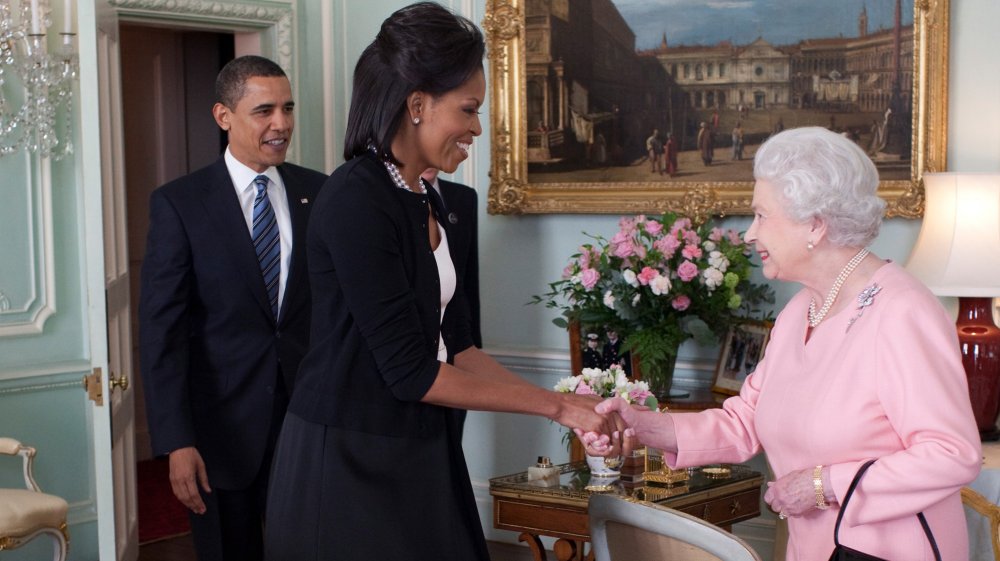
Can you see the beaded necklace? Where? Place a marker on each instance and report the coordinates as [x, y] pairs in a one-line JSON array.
[[831, 297], [397, 178]]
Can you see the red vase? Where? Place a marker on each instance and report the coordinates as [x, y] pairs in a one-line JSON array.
[[979, 339]]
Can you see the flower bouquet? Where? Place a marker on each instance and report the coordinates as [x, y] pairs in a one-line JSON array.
[[659, 282], [612, 382]]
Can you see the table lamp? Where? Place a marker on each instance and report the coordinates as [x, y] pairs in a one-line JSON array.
[[958, 254]]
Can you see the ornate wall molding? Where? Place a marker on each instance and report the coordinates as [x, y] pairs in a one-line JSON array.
[[29, 297]]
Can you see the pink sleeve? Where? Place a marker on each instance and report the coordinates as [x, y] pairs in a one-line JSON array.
[[922, 387], [720, 435]]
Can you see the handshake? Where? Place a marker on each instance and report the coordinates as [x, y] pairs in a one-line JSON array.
[[614, 426]]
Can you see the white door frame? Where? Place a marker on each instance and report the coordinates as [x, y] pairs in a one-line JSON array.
[[265, 29]]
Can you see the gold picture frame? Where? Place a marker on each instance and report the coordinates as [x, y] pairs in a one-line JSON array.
[[512, 192], [742, 350]]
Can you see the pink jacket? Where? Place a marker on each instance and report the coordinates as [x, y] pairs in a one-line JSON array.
[[891, 386]]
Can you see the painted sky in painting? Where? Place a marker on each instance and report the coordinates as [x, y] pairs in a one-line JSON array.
[[781, 22]]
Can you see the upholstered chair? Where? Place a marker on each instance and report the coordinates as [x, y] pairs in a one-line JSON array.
[[625, 529], [990, 511], [28, 513]]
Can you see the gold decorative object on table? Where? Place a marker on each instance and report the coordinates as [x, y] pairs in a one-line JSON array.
[[657, 471], [716, 471]]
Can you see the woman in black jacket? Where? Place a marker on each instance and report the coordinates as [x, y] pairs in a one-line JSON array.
[[369, 464]]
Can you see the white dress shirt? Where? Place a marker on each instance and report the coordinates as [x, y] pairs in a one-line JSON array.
[[243, 181]]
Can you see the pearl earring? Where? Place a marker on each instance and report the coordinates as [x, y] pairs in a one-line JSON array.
[[416, 120], [810, 246]]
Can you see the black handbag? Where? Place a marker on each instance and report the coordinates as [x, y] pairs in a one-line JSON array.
[[843, 553]]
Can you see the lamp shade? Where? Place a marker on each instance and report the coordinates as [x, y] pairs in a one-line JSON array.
[[958, 250]]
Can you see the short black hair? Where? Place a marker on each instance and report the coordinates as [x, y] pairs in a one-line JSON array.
[[422, 47], [230, 84]]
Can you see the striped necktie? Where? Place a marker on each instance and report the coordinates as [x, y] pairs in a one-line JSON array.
[[266, 241]]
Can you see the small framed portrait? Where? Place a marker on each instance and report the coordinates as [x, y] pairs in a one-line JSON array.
[[741, 351]]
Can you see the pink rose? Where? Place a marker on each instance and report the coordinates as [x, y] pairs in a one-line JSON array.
[[691, 237], [640, 251], [734, 237], [583, 389], [589, 278], [681, 224], [715, 235], [691, 251], [584, 259], [646, 275], [653, 227], [620, 238], [625, 249], [667, 245], [681, 303], [639, 395], [687, 271], [626, 224], [568, 271]]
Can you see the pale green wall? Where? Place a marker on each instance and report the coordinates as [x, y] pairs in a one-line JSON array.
[[39, 399]]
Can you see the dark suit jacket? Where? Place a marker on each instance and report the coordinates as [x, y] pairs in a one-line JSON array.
[[460, 204], [211, 349], [376, 308]]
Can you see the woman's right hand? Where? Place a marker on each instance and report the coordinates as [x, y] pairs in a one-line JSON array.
[[641, 426], [579, 412]]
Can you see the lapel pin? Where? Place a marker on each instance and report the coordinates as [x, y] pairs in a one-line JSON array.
[[304, 201], [452, 218]]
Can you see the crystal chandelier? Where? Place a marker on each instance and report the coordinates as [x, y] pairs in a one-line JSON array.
[[35, 86]]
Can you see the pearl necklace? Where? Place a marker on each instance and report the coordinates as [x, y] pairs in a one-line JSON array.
[[831, 297], [398, 179]]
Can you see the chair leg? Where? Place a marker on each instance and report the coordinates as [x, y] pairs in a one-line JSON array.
[[59, 545]]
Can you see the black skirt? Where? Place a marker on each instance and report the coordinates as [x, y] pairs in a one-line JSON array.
[[337, 494]]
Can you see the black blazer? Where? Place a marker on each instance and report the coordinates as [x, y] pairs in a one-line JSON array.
[[211, 350], [461, 206], [376, 308]]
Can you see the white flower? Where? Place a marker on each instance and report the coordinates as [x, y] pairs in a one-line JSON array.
[[576, 279], [590, 375], [709, 245], [567, 384], [630, 278], [713, 278], [635, 300], [718, 260], [660, 285], [609, 300]]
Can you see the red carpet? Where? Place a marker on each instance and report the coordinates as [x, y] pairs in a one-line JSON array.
[[161, 515]]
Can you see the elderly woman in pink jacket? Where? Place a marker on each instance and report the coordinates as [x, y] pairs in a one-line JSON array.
[[863, 363]]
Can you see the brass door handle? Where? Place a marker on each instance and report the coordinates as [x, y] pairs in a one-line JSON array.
[[120, 382]]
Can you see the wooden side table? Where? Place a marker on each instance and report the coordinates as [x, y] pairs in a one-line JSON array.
[[560, 511]]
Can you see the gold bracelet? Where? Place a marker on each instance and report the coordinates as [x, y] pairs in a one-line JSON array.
[[818, 486]]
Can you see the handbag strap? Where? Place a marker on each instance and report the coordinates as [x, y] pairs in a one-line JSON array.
[[847, 497]]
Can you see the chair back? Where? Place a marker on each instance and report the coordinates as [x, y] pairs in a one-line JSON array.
[[626, 529], [980, 504]]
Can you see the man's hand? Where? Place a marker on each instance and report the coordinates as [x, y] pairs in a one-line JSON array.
[[187, 470]]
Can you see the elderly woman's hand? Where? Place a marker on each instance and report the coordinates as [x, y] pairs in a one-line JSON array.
[[793, 494]]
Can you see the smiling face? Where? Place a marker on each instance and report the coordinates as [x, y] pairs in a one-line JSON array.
[[449, 122], [780, 241], [260, 126]]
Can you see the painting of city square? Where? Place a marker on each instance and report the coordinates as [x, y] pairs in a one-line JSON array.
[[687, 90]]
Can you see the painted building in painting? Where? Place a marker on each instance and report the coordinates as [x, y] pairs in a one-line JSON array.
[[868, 73], [589, 94]]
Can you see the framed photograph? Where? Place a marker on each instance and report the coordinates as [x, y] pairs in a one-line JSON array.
[[741, 351], [628, 106]]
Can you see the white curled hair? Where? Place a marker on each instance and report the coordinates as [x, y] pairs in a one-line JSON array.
[[823, 174]]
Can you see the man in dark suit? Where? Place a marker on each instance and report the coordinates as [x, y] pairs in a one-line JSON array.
[[613, 354], [224, 311]]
